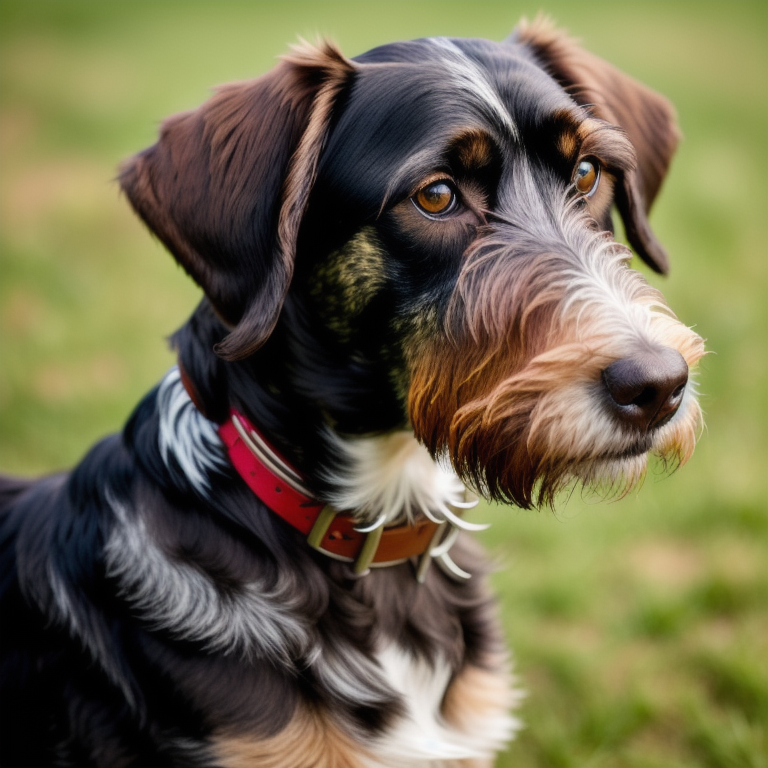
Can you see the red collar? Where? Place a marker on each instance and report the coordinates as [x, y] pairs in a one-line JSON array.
[[280, 487]]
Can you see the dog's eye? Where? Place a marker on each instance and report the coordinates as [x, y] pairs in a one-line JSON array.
[[587, 177], [436, 199]]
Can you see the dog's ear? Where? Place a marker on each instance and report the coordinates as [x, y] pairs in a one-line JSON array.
[[226, 185], [647, 118]]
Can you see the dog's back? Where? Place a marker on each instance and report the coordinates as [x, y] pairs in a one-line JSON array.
[[60, 635], [11, 488], [32, 648]]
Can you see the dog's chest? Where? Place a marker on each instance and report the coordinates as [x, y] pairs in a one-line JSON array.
[[445, 721]]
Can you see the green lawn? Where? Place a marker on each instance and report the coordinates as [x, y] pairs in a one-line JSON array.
[[640, 628]]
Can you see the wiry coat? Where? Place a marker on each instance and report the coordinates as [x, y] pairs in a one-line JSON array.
[[155, 611]]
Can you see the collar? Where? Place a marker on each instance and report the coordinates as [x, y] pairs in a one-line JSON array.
[[273, 480]]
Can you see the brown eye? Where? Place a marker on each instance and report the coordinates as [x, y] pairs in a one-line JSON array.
[[587, 177], [435, 199]]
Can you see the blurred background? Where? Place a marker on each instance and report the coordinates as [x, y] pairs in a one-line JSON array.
[[640, 627]]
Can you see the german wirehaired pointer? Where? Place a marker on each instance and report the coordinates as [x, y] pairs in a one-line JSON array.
[[411, 290]]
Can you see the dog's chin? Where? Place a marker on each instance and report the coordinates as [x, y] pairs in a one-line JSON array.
[[617, 471], [603, 478], [618, 468], [640, 447], [611, 477]]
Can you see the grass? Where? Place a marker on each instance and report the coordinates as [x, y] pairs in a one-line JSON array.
[[640, 628]]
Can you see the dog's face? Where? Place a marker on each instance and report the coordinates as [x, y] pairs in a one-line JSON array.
[[431, 221]]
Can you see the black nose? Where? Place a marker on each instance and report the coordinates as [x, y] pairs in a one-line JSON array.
[[646, 389]]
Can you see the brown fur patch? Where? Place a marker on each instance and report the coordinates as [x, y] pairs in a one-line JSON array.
[[567, 145], [310, 740], [474, 150], [476, 695]]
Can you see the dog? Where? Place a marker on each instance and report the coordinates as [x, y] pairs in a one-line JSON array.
[[411, 295]]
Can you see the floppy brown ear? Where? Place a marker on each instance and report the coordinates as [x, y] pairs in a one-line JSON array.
[[647, 117], [226, 185]]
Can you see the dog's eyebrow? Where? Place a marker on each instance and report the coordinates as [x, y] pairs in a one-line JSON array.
[[579, 133], [427, 161], [608, 142], [468, 77], [566, 125], [473, 148]]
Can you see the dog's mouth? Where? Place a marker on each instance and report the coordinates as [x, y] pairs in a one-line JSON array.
[[642, 446]]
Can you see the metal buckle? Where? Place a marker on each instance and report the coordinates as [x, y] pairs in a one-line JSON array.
[[367, 552], [320, 528]]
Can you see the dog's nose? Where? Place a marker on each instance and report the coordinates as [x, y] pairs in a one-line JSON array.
[[646, 389]]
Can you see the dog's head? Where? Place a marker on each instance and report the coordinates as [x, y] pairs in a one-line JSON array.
[[430, 220]]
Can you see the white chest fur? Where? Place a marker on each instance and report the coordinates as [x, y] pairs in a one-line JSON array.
[[464, 721]]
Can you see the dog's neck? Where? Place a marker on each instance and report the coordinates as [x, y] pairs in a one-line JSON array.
[[388, 501], [392, 478], [371, 467]]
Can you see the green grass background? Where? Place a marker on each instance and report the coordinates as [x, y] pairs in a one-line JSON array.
[[640, 627]]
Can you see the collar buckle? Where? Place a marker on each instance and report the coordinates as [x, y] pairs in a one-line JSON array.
[[362, 562]]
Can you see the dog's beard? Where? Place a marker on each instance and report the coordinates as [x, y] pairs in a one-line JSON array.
[[511, 391]]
